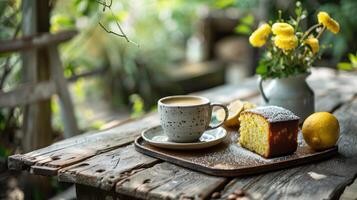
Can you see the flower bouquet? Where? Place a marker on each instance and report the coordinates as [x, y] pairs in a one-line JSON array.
[[288, 57]]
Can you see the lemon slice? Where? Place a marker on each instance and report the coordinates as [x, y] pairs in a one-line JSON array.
[[247, 105], [234, 109]]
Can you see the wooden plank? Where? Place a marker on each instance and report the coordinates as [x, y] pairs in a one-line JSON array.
[[350, 192], [104, 170], [323, 80], [330, 101], [168, 181], [44, 170], [33, 41], [27, 94], [298, 183], [67, 109], [347, 116], [228, 93], [325, 180], [67, 153], [94, 72]]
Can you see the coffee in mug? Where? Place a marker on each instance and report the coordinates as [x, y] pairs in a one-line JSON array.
[[184, 118]]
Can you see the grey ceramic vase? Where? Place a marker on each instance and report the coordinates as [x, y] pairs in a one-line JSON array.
[[292, 93]]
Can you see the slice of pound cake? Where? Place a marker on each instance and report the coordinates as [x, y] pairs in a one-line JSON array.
[[269, 131]]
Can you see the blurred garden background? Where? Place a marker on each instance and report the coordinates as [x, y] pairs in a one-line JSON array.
[[128, 54]]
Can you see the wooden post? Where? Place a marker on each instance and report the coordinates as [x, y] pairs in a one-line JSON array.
[[67, 109], [37, 122], [29, 75], [43, 119], [39, 66]]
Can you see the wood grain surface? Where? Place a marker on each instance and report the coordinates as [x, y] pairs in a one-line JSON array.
[[168, 181], [78, 158]]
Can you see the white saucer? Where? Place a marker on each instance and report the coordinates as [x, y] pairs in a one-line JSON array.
[[156, 137]]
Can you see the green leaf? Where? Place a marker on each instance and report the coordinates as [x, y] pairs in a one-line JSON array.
[[62, 20], [344, 66], [352, 58], [224, 3], [248, 19], [243, 29], [2, 121], [262, 69], [303, 14], [298, 9]]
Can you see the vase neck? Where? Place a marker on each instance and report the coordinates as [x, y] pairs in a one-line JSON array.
[[297, 78]]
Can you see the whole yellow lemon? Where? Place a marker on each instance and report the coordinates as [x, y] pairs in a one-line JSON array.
[[321, 130]]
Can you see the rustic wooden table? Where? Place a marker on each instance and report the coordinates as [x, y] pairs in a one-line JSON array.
[[104, 165]]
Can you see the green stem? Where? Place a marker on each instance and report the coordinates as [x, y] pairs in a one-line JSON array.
[[320, 33], [308, 32], [279, 15], [298, 19]]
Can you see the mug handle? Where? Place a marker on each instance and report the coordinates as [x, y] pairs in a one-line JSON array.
[[225, 118]]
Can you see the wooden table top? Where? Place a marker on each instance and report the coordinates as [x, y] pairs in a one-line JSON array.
[[107, 161]]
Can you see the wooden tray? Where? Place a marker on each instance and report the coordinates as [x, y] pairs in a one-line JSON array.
[[230, 159]]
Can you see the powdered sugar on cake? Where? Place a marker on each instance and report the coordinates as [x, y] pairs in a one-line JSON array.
[[274, 113]]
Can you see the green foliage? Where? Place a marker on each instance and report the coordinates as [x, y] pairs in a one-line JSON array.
[[9, 23], [240, 4], [224, 3], [159, 27], [278, 63], [349, 66], [2, 121], [245, 25], [344, 12], [137, 106], [9, 18], [4, 151]]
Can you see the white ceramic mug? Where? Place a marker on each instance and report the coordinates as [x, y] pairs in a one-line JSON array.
[[184, 118]]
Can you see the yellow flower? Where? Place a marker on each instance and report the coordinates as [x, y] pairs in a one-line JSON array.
[[259, 36], [282, 29], [286, 42], [325, 19], [313, 43]]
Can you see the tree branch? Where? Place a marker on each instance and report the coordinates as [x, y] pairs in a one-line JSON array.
[[122, 33], [109, 31], [105, 5], [7, 70]]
